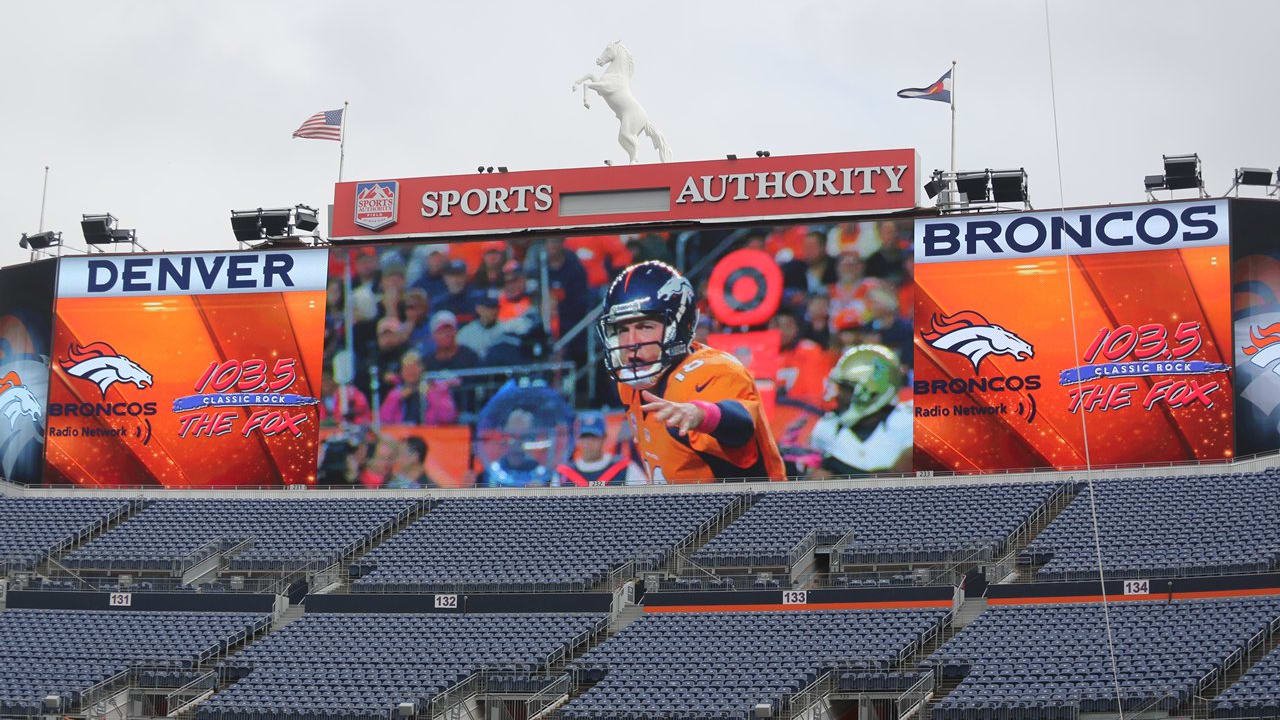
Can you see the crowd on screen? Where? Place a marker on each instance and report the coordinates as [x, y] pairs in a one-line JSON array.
[[406, 322]]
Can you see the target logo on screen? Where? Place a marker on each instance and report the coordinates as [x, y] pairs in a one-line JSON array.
[[970, 334]]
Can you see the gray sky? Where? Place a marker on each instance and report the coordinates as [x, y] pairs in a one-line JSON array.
[[170, 114]]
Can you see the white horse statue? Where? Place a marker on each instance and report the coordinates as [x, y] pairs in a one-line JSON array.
[[614, 85]]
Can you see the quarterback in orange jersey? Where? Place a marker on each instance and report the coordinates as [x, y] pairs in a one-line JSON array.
[[694, 410]]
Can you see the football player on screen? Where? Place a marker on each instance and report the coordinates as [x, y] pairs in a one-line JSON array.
[[869, 431], [694, 410]]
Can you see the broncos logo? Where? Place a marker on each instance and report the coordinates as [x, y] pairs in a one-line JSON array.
[[1265, 347], [100, 364], [16, 399], [971, 335]]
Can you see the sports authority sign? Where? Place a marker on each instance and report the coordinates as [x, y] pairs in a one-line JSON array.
[[832, 184]]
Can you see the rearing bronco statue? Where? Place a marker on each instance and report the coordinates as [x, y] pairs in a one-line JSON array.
[[614, 85]]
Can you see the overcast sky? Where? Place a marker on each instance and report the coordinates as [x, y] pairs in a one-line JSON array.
[[170, 114]]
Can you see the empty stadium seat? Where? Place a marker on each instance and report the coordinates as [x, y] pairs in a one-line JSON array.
[[1165, 527]]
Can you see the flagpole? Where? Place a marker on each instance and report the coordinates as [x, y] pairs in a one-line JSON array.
[[953, 116], [342, 141]]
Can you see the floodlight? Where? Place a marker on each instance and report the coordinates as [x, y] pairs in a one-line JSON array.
[[40, 240], [1253, 176], [306, 218], [102, 230], [275, 222], [1154, 182], [1009, 185], [1182, 172], [973, 185], [244, 225]]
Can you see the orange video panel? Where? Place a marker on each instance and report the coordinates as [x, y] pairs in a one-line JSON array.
[[187, 370], [1107, 349]]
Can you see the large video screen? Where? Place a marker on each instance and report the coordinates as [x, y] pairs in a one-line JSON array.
[[1255, 291], [191, 370], [480, 363], [26, 315], [1075, 338]]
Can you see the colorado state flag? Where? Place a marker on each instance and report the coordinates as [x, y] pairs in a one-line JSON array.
[[940, 90]]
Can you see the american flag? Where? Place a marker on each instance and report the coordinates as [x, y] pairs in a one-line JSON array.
[[325, 125]]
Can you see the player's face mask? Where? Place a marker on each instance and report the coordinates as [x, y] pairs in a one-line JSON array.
[[636, 351]]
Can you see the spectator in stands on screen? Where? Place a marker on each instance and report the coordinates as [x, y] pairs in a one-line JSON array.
[[393, 340], [703, 329], [848, 328], [649, 246], [591, 465], [366, 270], [568, 286], [888, 327], [414, 401], [817, 319], [432, 281], [849, 291], [481, 334], [813, 270], [410, 471], [802, 363], [417, 310], [391, 298], [602, 256], [449, 355], [515, 299], [906, 289], [457, 298], [345, 404], [488, 277], [377, 469], [518, 467]]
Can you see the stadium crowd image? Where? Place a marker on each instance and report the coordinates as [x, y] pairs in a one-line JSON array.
[[820, 455]]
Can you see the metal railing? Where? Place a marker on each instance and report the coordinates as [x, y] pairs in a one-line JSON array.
[[1033, 474]]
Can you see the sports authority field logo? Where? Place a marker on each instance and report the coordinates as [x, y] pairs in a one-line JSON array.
[[377, 204], [100, 364], [970, 334], [16, 400]]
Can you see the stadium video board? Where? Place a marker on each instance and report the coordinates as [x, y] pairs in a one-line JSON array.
[[1255, 288], [190, 370], [475, 363], [26, 316], [1063, 339]]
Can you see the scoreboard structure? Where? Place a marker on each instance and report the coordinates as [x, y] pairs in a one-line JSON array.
[[1125, 334]]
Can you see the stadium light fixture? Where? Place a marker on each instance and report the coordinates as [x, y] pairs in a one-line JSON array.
[[1257, 177], [40, 241], [973, 185], [731, 156], [1009, 186], [1153, 183], [1182, 172], [762, 153], [270, 224], [101, 230], [306, 218], [502, 168]]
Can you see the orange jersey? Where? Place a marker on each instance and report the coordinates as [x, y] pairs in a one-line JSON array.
[[802, 372], [712, 376]]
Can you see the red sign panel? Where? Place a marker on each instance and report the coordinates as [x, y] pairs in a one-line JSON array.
[[830, 184]]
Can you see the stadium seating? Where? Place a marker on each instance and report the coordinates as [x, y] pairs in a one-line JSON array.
[[1039, 662], [1256, 694], [720, 665], [364, 665], [891, 525], [65, 652], [280, 534], [1166, 527], [31, 528], [542, 543]]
